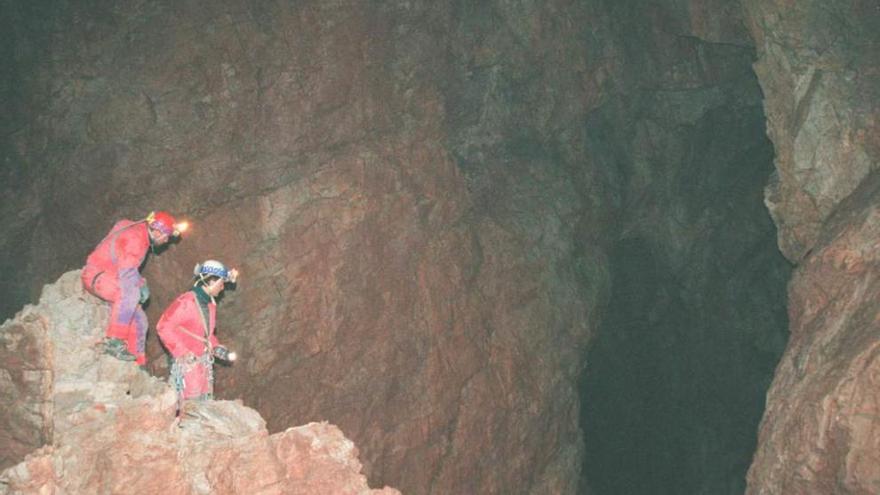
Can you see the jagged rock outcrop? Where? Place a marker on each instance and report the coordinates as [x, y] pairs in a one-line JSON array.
[[105, 426], [819, 66], [52, 369], [820, 432]]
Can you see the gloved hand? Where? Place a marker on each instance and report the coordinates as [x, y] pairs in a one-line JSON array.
[[224, 354], [145, 293]]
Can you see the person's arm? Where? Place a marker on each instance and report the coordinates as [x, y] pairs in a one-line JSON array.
[[131, 248], [221, 352]]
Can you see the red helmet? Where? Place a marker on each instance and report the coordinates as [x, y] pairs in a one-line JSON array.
[[163, 222]]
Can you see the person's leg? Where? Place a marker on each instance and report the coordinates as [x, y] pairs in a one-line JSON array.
[[196, 381], [106, 287], [123, 305], [123, 312], [137, 336]]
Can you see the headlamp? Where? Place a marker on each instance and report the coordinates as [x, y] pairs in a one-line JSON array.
[[180, 228]]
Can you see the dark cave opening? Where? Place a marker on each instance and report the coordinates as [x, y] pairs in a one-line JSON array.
[[675, 403], [675, 380]]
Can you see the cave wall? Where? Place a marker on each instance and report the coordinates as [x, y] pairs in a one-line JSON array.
[[422, 199], [404, 223], [818, 66], [676, 377], [818, 69]]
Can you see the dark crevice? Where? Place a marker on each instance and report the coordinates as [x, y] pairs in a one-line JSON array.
[[674, 384]]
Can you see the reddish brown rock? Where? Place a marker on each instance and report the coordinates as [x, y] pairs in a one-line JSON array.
[[25, 384], [146, 451], [421, 222], [819, 66], [819, 434], [404, 274]]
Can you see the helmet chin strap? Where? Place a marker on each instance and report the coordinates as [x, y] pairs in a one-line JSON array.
[[152, 242], [204, 286]]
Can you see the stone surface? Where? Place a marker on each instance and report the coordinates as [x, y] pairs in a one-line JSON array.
[[105, 426], [54, 369], [819, 434], [427, 201], [404, 275], [818, 66]]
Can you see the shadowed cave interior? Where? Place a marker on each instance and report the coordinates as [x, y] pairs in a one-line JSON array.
[[695, 322]]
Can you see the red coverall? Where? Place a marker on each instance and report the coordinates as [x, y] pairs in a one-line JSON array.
[[112, 273], [183, 330]]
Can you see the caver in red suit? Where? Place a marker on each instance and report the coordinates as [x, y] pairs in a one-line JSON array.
[[112, 272], [186, 328]]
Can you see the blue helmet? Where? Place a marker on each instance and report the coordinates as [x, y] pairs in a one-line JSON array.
[[215, 268]]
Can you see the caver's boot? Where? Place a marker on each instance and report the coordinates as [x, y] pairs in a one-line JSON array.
[[118, 349]]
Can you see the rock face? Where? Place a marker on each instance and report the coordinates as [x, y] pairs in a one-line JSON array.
[[819, 66], [405, 226], [52, 369], [432, 203], [819, 434], [105, 426], [424, 199]]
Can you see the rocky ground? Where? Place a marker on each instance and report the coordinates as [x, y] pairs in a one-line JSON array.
[[84, 422]]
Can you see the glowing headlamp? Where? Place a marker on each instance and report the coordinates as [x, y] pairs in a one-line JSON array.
[[180, 228], [163, 222]]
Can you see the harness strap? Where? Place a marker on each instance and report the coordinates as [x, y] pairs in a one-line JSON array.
[[200, 339], [179, 369], [209, 351]]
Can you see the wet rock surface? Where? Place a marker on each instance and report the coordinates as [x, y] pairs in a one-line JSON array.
[[108, 427]]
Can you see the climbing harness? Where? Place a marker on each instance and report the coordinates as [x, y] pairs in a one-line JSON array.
[[181, 366]]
